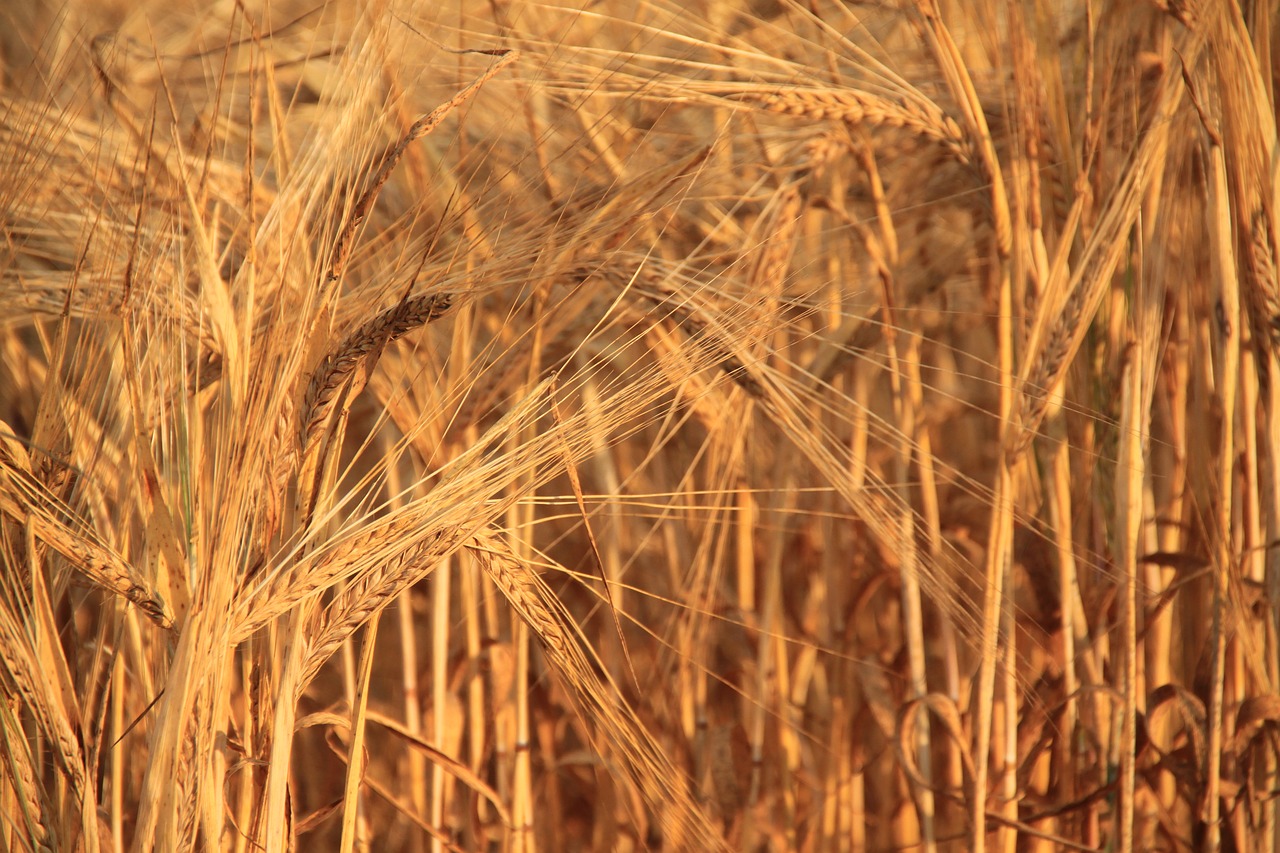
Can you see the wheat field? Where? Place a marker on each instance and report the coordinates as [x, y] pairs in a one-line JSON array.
[[610, 426]]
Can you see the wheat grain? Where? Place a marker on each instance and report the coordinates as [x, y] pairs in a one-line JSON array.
[[854, 107]]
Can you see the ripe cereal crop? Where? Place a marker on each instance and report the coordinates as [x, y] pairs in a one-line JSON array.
[[683, 426]]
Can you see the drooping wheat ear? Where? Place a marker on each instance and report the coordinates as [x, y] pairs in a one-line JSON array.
[[519, 585], [369, 338], [331, 391], [1262, 293], [22, 672], [1052, 359], [375, 589], [22, 777], [383, 555], [1055, 169], [863, 108], [27, 502], [383, 550], [1061, 324], [419, 129], [187, 787], [665, 786]]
